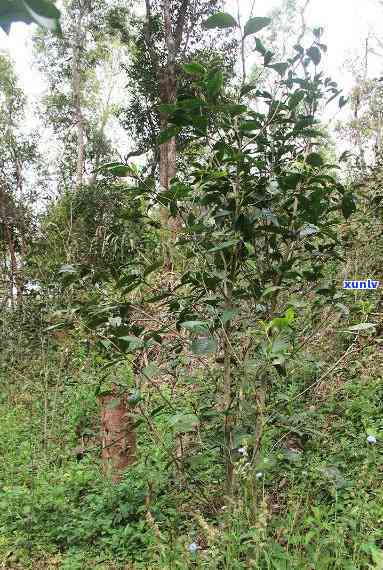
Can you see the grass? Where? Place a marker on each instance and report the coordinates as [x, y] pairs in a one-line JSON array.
[[318, 503]]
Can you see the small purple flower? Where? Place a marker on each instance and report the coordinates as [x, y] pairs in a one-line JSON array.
[[371, 439], [193, 547]]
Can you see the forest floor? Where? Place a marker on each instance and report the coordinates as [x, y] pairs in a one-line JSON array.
[[319, 493]]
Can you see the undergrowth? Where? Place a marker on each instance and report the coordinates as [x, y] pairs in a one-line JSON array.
[[317, 502]]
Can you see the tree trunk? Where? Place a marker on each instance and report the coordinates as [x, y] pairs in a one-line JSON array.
[[15, 279], [117, 435], [76, 91], [168, 94]]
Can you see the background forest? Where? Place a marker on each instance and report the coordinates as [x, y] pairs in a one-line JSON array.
[[185, 383]]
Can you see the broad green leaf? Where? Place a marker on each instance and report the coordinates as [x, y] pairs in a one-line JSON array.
[[228, 314], [269, 290], [134, 398], [190, 104], [314, 159], [249, 125], [195, 326], [314, 54], [343, 101], [120, 171], [204, 345], [280, 344], [345, 156], [220, 20], [133, 341], [348, 204], [151, 370], [252, 366], [13, 11], [214, 83], [183, 423], [247, 88], [254, 25], [224, 245], [234, 109], [281, 323], [42, 12], [260, 47], [194, 68], [168, 108], [280, 68], [318, 32]]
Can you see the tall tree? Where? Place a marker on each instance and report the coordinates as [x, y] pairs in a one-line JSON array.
[[78, 104], [17, 153], [168, 36]]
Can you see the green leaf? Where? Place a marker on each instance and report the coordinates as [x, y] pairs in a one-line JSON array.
[[151, 370], [41, 12], [194, 68], [214, 83], [133, 341], [314, 159], [168, 134], [345, 156], [280, 68], [204, 345], [279, 344], [254, 25], [348, 205], [220, 20], [249, 125], [343, 101], [269, 290], [183, 423], [134, 398], [228, 314], [314, 54], [223, 245], [120, 171], [260, 47], [195, 326], [234, 109], [44, 13], [247, 88]]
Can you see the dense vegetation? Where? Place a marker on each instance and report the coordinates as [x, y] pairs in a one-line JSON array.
[[185, 383]]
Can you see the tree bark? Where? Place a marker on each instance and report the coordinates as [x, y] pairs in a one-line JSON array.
[[15, 281], [76, 91], [117, 436], [168, 95]]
